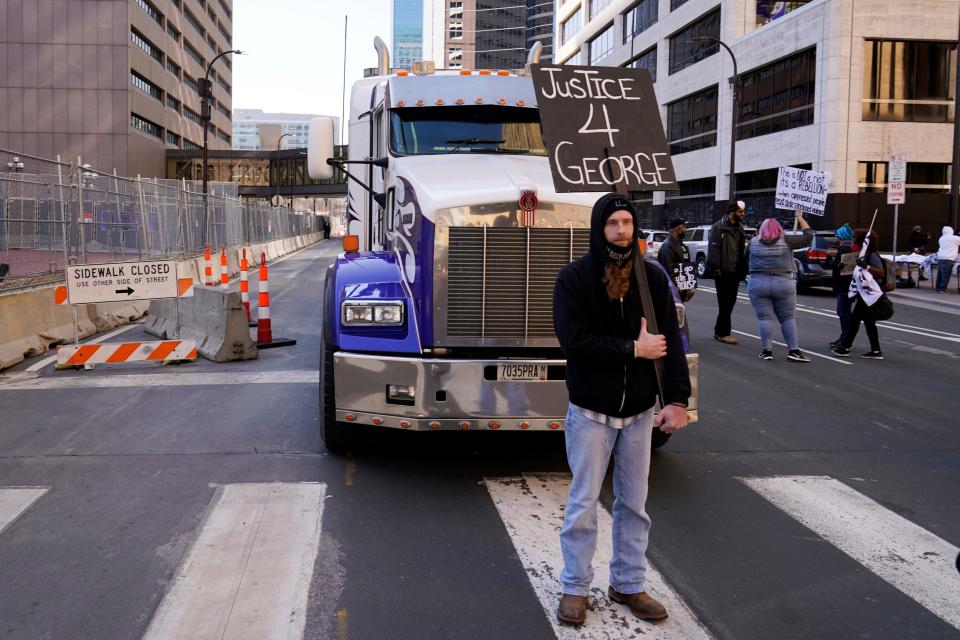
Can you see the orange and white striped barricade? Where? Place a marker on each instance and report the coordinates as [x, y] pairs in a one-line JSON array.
[[224, 270], [265, 339], [207, 267], [245, 286], [78, 355]]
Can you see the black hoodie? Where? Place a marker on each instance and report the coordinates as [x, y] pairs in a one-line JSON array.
[[597, 334]]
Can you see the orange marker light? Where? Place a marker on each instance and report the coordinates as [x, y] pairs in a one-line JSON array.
[[484, 72], [351, 417], [378, 421], [464, 425], [554, 425], [502, 101], [459, 100], [420, 102], [524, 425], [404, 424], [434, 425], [439, 100], [494, 425], [402, 73], [520, 103], [479, 100], [465, 72], [503, 73], [401, 103], [351, 244]]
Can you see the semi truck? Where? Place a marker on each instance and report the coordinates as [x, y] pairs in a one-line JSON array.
[[437, 316]]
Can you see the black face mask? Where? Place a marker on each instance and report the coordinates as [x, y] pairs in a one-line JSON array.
[[619, 254], [681, 235]]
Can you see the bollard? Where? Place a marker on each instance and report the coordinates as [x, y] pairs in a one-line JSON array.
[[207, 267], [224, 271], [265, 339], [245, 286]]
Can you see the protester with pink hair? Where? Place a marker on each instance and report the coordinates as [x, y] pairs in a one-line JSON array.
[[773, 286]]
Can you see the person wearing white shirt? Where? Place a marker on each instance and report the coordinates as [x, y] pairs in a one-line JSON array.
[[946, 257]]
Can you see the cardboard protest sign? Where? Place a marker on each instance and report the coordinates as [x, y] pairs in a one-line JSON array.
[[685, 276], [800, 189], [602, 129]]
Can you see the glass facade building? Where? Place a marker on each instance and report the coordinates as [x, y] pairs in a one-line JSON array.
[[407, 33]]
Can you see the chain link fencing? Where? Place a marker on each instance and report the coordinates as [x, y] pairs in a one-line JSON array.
[[53, 214]]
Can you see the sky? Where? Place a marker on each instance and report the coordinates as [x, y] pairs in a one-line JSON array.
[[294, 51]]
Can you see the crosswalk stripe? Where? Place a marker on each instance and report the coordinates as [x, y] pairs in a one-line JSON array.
[[532, 508], [15, 500], [915, 561], [247, 575]]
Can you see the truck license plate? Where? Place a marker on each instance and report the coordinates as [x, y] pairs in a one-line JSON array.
[[521, 372]]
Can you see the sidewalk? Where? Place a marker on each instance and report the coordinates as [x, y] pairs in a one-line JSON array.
[[926, 296]]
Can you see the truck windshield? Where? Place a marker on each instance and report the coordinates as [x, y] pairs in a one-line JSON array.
[[466, 129]]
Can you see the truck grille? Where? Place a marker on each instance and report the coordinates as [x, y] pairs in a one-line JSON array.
[[500, 280]]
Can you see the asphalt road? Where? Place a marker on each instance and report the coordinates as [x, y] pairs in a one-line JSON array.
[[413, 543]]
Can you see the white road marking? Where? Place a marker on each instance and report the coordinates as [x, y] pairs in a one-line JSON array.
[[532, 509], [809, 353], [247, 575], [33, 382], [910, 558], [97, 340], [894, 326], [15, 500]]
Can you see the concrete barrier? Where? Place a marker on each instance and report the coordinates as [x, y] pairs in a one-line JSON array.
[[214, 318]]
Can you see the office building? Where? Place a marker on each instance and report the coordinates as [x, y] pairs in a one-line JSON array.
[[487, 34], [408, 23], [253, 129], [115, 83], [828, 85]]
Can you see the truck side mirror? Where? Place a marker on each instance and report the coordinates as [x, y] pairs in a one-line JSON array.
[[320, 148]]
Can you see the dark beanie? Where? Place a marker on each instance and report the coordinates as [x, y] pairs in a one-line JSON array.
[[602, 210]]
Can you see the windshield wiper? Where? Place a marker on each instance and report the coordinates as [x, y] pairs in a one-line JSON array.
[[500, 150], [461, 143]]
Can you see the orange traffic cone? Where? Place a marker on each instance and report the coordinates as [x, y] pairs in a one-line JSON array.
[[245, 286], [207, 267], [224, 271], [265, 339]]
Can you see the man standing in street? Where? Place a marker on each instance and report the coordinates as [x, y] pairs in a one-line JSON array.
[[611, 378], [946, 257], [726, 260], [674, 255]]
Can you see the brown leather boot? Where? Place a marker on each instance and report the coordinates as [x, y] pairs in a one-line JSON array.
[[572, 609], [641, 604]]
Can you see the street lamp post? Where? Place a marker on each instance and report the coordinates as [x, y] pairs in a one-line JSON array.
[[276, 198], [206, 95], [735, 82], [16, 165]]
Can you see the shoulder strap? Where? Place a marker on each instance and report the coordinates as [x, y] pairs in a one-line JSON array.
[[649, 312]]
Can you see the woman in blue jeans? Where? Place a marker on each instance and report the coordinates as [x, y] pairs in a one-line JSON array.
[[773, 286]]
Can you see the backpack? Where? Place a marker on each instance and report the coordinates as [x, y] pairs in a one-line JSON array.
[[889, 282]]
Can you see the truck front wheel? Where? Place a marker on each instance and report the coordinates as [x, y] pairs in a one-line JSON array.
[[337, 437]]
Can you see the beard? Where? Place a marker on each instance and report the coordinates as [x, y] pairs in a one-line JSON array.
[[616, 277]]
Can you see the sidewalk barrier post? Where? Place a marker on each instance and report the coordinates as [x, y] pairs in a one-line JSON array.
[[207, 267], [265, 339], [224, 271], [245, 286]]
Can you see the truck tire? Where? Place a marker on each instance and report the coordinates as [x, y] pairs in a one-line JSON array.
[[659, 438], [337, 437]]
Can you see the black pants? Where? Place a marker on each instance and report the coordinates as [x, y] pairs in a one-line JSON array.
[[861, 313], [728, 285]]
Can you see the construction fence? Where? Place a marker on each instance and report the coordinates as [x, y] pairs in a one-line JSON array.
[[53, 214]]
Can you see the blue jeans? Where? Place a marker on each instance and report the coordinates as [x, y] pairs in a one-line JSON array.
[[589, 445], [843, 312], [775, 297], [944, 269]]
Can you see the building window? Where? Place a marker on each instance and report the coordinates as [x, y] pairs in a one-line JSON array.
[[576, 58], [456, 10], [226, 10], [223, 83], [173, 68], [192, 116], [762, 182], [173, 138], [570, 26], [777, 96], [909, 81], [173, 32], [701, 189], [456, 30], [686, 50], [193, 53], [601, 46], [173, 103], [922, 177], [146, 45], [190, 145], [212, 14], [194, 22], [692, 121], [145, 85], [144, 125], [151, 11], [213, 44], [190, 82], [676, 3], [639, 18], [223, 136], [646, 60], [596, 6], [222, 109], [223, 31], [454, 58]]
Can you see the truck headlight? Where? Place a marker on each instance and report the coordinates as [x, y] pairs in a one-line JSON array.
[[372, 313]]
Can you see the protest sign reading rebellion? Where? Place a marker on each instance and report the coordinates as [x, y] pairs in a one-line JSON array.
[[602, 127], [802, 189]]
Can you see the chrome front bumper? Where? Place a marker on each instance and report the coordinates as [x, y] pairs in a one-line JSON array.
[[454, 394]]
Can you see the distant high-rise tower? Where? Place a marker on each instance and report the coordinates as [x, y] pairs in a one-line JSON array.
[[407, 33]]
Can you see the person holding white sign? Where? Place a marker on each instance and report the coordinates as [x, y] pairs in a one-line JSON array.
[[773, 286]]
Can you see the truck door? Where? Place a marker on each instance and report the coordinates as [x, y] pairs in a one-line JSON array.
[[378, 149]]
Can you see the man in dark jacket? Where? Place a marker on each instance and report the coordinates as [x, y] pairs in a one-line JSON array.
[[611, 379], [675, 258], [726, 260]]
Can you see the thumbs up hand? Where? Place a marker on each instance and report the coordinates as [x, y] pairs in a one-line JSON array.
[[648, 345]]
